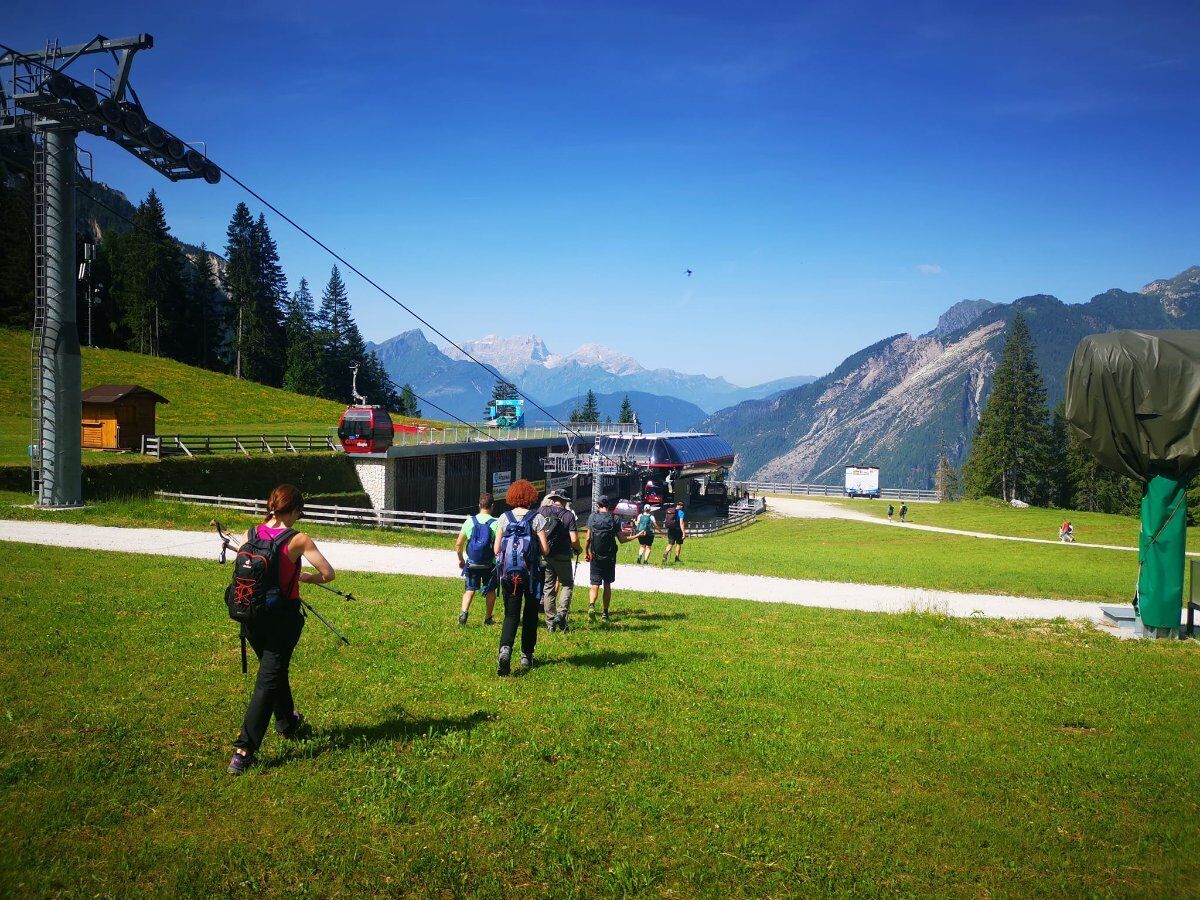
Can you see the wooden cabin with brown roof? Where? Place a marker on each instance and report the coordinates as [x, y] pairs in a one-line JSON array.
[[117, 416]]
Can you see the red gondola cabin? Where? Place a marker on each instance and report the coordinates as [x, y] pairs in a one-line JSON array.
[[366, 429]]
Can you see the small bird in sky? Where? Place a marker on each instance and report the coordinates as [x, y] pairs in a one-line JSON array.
[[687, 272]]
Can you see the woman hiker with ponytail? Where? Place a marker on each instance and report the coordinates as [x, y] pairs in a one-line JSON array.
[[275, 632]]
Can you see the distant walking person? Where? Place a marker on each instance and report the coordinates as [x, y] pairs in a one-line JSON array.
[[645, 534], [519, 550], [675, 526], [903, 511], [274, 630], [558, 524], [476, 537], [891, 511], [604, 537]]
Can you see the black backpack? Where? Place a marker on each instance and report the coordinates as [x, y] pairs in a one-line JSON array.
[[255, 587], [556, 531], [603, 528]]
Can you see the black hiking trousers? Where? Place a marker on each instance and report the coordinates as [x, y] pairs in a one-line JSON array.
[[274, 638], [530, 596]]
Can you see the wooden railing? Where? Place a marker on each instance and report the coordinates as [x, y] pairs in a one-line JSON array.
[[332, 515], [161, 445]]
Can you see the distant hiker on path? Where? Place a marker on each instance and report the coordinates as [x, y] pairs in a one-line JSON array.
[[558, 524], [604, 537], [519, 550], [645, 534], [903, 511], [676, 529], [1066, 532], [477, 536], [891, 511], [273, 629]]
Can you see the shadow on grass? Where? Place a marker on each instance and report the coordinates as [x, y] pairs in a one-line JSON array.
[[600, 660], [399, 726], [644, 616]]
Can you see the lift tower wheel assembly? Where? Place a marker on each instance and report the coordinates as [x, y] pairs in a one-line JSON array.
[[43, 105]]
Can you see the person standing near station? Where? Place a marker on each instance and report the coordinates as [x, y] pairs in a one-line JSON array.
[[676, 529], [645, 534], [476, 537], [558, 524], [604, 537]]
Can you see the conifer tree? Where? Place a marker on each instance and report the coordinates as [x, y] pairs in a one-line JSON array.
[[408, 402], [148, 283], [342, 345], [590, 411], [241, 286], [626, 415], [945, 478], [304, 372], [205, 312], [1008, 458], [504, 390]]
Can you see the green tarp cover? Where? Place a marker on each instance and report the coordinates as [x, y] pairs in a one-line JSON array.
[[1133, 398]]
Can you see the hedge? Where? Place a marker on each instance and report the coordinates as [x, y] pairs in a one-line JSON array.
[[232, 476]]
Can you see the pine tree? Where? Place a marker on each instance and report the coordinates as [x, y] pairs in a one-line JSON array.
[[205, 312], [148, 284], [1058, 473], [1009, 455], [1093, 488], [590, 411], [241, 286], [626, 415], [945, 478], [342, 345], [504, 390], [305, 356], [408, 402]]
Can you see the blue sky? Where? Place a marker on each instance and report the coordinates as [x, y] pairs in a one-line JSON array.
[[833, 172]]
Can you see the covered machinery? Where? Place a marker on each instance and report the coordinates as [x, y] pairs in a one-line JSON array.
[[1133, 399]]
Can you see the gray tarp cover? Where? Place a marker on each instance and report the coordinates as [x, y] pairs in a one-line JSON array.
[[1133, 398]]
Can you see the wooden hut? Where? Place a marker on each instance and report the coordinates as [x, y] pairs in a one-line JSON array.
[[116, 416]]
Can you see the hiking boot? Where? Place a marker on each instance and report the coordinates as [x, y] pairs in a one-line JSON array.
[[298, 729], [526, 661], [240, 764], [604, 617], [462, 618], [562, 624], [551, 624], [504, 666], [488, 620], [591, 612]]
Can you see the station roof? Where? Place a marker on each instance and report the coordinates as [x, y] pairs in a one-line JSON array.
[[671, 449]]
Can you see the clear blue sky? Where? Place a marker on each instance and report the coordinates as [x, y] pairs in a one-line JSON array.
[[833, 172]]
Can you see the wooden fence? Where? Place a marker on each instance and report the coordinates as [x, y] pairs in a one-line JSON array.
[[833, 490], [161, 445]]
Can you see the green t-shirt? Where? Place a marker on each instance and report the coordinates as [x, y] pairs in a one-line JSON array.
[[469, 525]]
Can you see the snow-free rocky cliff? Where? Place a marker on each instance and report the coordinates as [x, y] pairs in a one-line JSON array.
[[891, 404]]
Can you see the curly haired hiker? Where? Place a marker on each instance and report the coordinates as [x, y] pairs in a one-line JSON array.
[[519, 548]]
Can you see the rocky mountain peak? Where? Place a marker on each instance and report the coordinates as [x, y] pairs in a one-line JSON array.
[[508, 355], [960, 315], [602, 357], [1176, 294]]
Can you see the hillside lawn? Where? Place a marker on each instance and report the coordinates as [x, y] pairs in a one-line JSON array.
[[202, 402], [820, 549], [693, 747]]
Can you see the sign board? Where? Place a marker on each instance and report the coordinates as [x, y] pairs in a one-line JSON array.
[[501, 481], [559, 482], [862, 481]]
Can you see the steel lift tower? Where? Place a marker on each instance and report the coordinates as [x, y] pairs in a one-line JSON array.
[[43, 105]]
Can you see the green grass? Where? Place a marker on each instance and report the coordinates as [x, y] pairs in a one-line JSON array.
[[202, 402], [996, 517], [695, 747], [843, 550], [821, 549]]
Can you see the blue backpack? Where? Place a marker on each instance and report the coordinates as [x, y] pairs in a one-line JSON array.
[[518, 553], [480, 555]]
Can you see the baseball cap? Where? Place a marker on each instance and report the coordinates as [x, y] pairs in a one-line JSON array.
[[603, 501]]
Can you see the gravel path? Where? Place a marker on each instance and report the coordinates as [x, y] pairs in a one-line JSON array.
[[442, 563], [815, 509]]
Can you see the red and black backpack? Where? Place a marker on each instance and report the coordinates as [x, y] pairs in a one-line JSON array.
[[255, 587]]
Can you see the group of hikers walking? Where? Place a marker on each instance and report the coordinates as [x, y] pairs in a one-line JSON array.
[[529, 555]]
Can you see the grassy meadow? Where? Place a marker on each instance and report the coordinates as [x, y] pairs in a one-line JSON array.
[[693, 747]]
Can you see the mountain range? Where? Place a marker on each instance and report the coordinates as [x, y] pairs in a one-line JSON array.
[[450, 379], [893, 403]]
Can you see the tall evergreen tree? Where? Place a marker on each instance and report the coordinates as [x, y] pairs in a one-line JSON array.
[[626, 415], [588, 411], [1091, 487], [148, 285], [1009, 456], [205, 312], [304, 372], [504, 390], [945, 478], [241, 286], [408, 402], [342, 344]]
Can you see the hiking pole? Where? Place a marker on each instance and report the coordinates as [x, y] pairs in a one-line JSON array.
[[312, 609], [345, 595]]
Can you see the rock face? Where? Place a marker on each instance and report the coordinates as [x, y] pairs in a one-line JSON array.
[[891, 404]]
